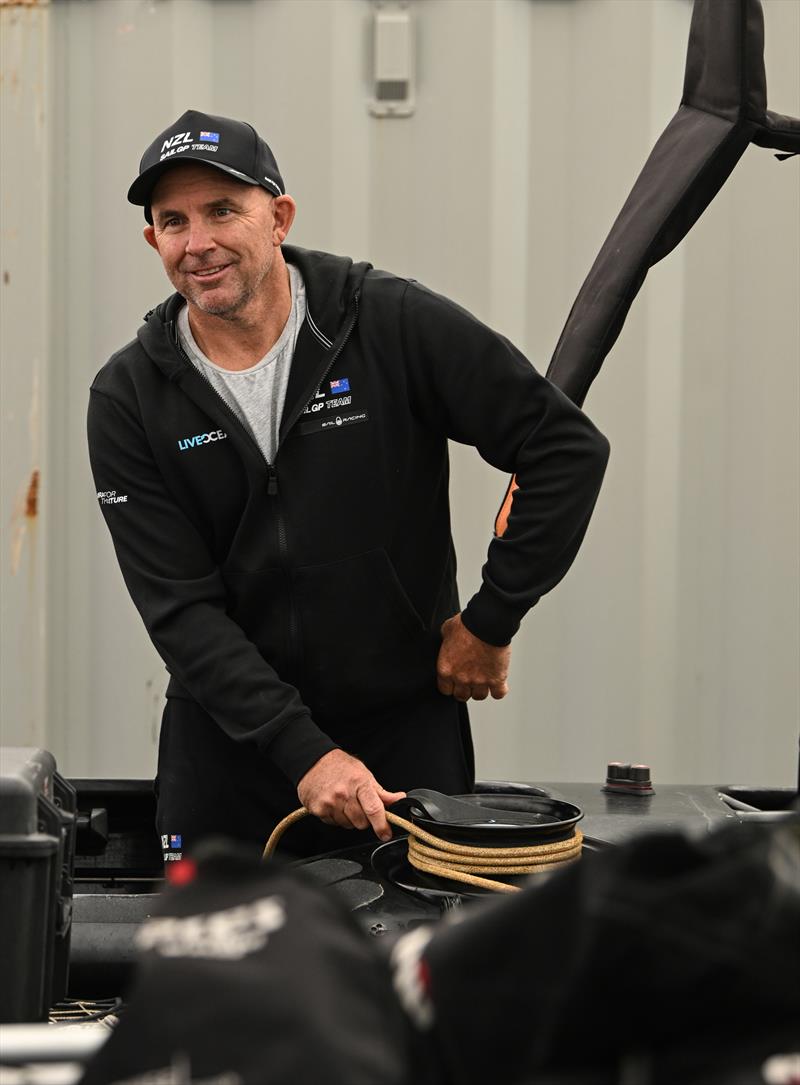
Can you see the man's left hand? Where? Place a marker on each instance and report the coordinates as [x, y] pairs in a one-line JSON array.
[[469, 667]]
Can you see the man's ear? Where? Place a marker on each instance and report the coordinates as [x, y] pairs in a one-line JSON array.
[[150, 236], [283, 209]]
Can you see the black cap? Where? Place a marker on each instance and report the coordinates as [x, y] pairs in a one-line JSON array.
[[232, 146]]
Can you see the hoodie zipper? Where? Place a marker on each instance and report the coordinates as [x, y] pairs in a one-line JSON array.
[[272, 474]]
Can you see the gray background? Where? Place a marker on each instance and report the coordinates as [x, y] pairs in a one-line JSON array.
[[675, 637]]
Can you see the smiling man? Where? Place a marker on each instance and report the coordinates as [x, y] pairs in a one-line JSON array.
[[278, 430]]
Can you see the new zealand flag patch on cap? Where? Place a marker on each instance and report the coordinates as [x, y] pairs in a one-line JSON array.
[[209, 137]]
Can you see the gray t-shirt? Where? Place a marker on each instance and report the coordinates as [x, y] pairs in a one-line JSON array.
[[255, 395]]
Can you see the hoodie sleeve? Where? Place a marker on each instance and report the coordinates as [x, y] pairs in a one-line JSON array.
[[180, 594], [475, 387]]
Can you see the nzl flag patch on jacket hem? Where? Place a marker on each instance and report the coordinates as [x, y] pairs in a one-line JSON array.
[[175, 840], [342, 385], [209, 137]]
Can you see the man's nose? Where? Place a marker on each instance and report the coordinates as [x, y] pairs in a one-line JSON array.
[[200, 239]]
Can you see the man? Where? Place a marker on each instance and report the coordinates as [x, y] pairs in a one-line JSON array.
[[270, 455]]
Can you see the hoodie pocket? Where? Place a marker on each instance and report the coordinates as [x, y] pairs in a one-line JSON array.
[[364, 644]]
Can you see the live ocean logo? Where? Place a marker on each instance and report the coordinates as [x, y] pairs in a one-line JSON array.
[[201, 439]]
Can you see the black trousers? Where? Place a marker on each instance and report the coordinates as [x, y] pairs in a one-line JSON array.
[[209, 785]]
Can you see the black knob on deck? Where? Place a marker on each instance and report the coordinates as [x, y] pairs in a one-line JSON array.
[[618, 770]]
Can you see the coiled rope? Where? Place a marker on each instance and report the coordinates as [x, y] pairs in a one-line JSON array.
[[461, 862]]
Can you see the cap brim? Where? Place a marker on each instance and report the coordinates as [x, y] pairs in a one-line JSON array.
[[141, 190]]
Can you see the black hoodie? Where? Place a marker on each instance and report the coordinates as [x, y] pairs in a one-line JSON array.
[[285, 595]]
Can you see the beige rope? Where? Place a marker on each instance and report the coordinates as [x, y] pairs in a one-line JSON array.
[[280, 829], [462, 862]]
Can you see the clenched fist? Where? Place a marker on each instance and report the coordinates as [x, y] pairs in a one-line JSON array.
[[469, 667]]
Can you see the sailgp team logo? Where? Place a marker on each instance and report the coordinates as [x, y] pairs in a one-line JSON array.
[[201, 439], [180, 142]]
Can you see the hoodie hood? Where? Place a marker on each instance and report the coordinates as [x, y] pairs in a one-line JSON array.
[[331, 283]]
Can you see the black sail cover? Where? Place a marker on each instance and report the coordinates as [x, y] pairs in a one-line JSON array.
[[723, 109]]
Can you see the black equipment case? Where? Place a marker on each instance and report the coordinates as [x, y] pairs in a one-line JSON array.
[[37, 854]]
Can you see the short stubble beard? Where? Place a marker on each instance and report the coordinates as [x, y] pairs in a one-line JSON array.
[[229, 310]]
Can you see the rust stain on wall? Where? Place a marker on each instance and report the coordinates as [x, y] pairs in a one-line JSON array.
[[32, 497], [23, 520], [24, 3], [26, 507]]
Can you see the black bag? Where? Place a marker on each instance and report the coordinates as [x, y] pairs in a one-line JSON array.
[[683, 951], [251, 975]]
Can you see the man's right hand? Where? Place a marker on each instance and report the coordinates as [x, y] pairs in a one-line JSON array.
[[340, 790]]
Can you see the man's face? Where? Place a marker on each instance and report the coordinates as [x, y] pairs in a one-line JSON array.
[[216, 236]]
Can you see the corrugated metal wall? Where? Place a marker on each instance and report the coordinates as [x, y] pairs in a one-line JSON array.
[[676, 636], [24, 360]]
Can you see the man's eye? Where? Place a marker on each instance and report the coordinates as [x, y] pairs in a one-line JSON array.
[[221, 212]]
